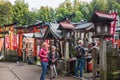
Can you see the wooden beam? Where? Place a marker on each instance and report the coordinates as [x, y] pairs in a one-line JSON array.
[[4, 32], [8, 25]]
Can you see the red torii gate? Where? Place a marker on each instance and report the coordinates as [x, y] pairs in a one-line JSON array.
[[29, 29], [7, 29]]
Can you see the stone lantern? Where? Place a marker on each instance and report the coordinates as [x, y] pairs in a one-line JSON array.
[[66, 29], [102, 23]]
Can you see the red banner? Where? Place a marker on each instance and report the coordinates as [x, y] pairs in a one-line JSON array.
[[15, 41], [112, 27]]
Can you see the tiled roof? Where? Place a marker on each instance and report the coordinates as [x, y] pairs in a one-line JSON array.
[[21, 27], [65, 26], [101, 17], [52, 32], [33, 35], [86, 26], [8, 25], [104, 15]]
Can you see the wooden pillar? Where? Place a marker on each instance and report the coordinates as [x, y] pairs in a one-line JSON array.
[[11, 42], [35, 50], [93, 40], [20, 47], [66, 55], [61, 49], [80, 35], [103, 60], [66, 49], [94, 62], [11, 37], [4, 48], [27, 46], [0, 40]]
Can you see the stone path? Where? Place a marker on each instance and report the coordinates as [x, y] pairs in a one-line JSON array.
[[23, 71]]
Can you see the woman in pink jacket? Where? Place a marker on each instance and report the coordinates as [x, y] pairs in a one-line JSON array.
[[43, 54]]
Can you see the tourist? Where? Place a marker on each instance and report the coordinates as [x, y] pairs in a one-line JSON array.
[[53, 57], [43, 54], [80, 56]]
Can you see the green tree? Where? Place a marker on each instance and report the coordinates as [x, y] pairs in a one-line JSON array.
[[52, 15], [20, 12], [44, 14], [100, 5], [33, 16], [113, 5], [76, 8], [68, 5], [76, 5], [116, 6], [64, 9], [5, 12], [79, 16], [84, 9], [118, 1]]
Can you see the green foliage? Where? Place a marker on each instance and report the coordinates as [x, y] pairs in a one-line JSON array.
[[63, 10], [79, 16], [19, 12], [118, 1], [84, 8], [45, 13], [32, 16], [76, 5], [100, 5], [5, 12]]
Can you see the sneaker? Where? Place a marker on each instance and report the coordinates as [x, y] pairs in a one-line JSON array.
[[76, 77], [53, 77], [81, 78], [98, 75], [50, 78]]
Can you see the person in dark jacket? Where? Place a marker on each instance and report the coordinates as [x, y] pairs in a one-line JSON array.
[[53, 57], [80, 55]]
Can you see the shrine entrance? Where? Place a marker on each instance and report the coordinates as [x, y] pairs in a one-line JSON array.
[[28, 48]]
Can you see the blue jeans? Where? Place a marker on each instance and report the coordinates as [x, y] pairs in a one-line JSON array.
[[44, 69], [80, 62]]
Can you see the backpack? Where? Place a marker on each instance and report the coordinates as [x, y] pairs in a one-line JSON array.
[[79, 52]]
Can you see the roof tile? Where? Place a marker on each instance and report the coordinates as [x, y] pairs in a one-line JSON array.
[[66, 25]]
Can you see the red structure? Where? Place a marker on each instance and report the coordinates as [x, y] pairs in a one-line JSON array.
[[36, 28], [6, 32]]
